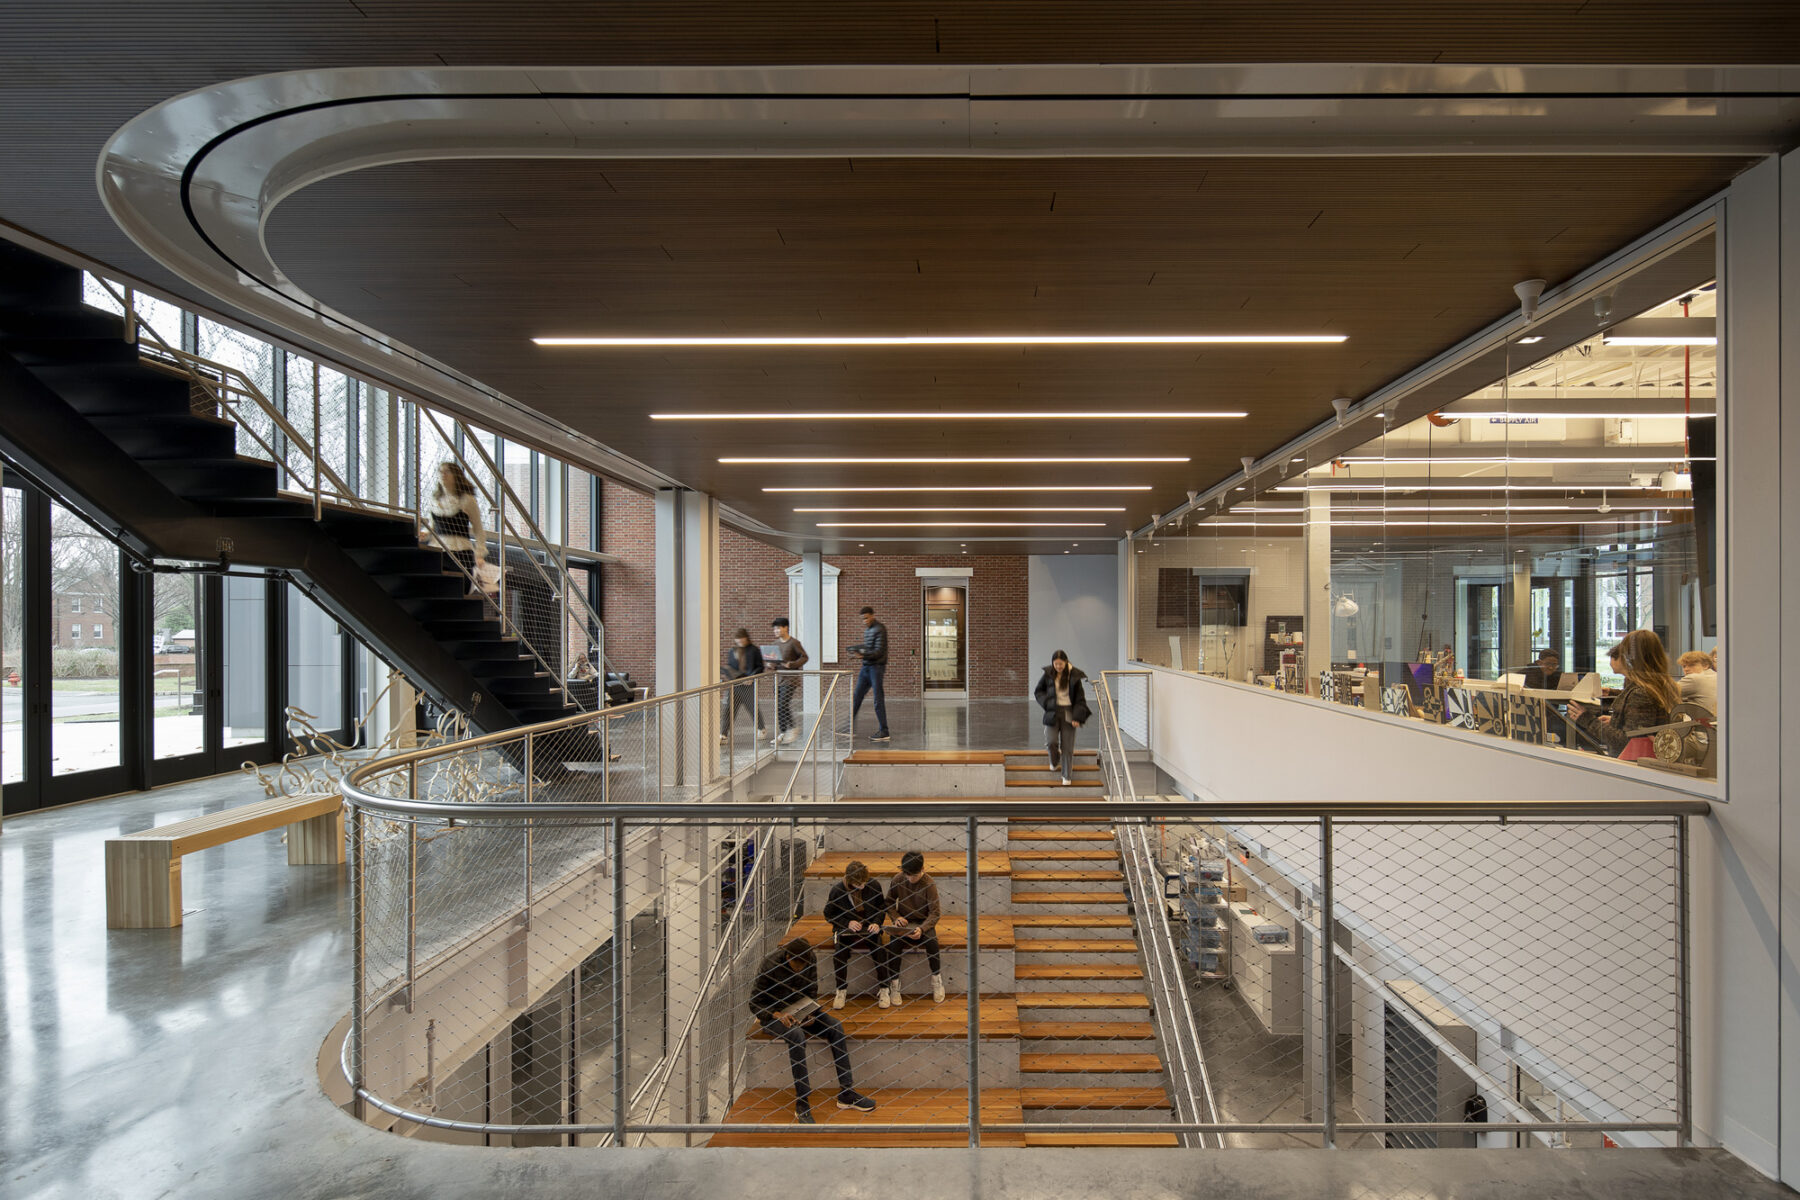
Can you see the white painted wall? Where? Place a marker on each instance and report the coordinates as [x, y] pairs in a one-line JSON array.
[[1074, 606]]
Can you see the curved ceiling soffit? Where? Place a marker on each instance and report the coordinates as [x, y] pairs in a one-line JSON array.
[[194, 180]]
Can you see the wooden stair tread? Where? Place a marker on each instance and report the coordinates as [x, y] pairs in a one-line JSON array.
[[1094, 1097], [1094, 767], [1061, 835], [919, 1018], [884, 864], [992, 933], [1045, 754], [1098, 1139], [1032, 783], [1076, 971], [1083, 1000], [1070, 921], [955, 758], [1076, 946], [774, 1107], [1068, 898], [1063, 855], [1090, 1031], [244, 820], [1077, 1064], [1068, 876]]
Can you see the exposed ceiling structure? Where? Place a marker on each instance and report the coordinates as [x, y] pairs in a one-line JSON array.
[[469, 261]]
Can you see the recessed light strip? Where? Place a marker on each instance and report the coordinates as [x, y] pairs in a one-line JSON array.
[[1014, 415], [937, 462], [952, 509], [962, 525], [998, 339], [1009, 487]]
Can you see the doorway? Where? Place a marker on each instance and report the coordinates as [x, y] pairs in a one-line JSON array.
[[210, 699], [946, 641]]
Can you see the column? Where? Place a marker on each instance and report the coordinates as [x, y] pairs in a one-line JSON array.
[[688, 650], [812, 619], [1318, 587]]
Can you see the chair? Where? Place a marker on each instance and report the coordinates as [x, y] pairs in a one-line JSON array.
[[1431, 705], [1328, 689], [1529, 718], [1688, 744]]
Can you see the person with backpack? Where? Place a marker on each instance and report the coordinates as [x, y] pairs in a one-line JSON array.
[[1060, 695], [857, 908], [913, 899]]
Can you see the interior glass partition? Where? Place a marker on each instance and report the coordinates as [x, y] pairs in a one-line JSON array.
[[1470, 556]]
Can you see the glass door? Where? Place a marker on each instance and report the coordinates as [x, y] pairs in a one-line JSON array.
[[946, 641], [1482, 658], [207, 660]]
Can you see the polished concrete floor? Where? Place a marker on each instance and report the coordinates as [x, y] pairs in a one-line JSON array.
[[183, 1063], [964, 725]]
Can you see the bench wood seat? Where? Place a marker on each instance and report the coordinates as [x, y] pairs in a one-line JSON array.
[[885, 864], [992, 933], [143, 869]]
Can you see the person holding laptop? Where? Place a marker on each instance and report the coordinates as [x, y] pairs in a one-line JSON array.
[[782, 1003]]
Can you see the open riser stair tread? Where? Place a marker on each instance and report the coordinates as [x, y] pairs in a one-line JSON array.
[[885, 864], [838, 1127], [992, 933], [1069, 898], [1098, 1064], [1093, 1031], [1082, 1000], [1070, 1098], [919, 1017], [1077, 971], [1101, 1139], [1070, 921]]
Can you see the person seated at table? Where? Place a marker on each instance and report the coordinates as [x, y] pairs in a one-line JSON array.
[[857, 908], [782, 1003], [1644, 702], [1699, 682], [1548, 669]]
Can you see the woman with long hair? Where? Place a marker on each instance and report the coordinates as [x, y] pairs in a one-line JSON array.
[[1646, 701], [1060, 695], [456, 521]]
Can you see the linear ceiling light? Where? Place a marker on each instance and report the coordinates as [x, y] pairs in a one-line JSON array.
[[1458, 461], [1010, 487], [1349, 486], [959, 510], [996, 339], [962, 524], [947, 462], [1663, 331], [1015, 415], [1588, 416]]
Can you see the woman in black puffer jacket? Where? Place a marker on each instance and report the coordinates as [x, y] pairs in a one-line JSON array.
[[1059, 694]]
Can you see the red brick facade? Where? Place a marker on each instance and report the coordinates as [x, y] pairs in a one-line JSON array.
[[628, 587], [753, 591]]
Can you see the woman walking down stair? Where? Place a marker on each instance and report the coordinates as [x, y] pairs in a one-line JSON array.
[[1060, 695]]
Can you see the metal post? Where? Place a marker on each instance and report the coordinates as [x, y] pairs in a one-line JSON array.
[[528, 833], [318, 503], [1684, 1075], [500, 533], [619, 942], [605, 756], [359, 955], [973, 938], [1327, 992], [412, 911]]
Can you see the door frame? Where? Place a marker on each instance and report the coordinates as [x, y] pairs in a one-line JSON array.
[[926, 584]]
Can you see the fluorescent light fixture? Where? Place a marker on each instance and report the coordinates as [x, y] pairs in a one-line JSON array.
[[961, 525], [1663, 331], [1532, 340], [993, 339], [1588, 416], [1010, 487], [952, 462], [1459, 461], [1014, 415], [1348, 486], [952, 509]]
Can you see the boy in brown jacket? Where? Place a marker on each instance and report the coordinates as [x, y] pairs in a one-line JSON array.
[[913, 900]]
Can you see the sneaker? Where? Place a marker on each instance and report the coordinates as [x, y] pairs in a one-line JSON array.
[[884, 998], [1066, 781], [723, 738], [894, 991], [880, 737], [856, 1100], [937, 989], [837, 1001], [788, 738], [769, 737], [803, 1113]]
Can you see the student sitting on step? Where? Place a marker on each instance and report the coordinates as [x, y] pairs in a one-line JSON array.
[[913, 896], [857, 908], [782, 1002]]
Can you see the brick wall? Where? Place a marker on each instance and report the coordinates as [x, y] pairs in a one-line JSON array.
[[753, 591], [628, 587]]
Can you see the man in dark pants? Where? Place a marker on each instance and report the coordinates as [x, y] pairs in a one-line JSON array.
[[874, 655], [791, 657], [782, 1003]]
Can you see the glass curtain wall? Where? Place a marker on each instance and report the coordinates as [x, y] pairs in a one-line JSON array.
[[1475, 565]]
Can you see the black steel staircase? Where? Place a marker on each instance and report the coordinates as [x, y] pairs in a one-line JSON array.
[[114, 434]]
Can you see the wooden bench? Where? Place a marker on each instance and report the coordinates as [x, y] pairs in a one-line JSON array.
[[143, 870]]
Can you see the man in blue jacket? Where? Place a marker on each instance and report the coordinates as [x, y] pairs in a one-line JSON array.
[[874, 655]]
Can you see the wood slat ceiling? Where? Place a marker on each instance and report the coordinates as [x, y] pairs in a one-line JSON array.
[[468, 261]]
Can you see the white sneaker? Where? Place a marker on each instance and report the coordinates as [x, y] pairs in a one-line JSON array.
[[883, 998], [937, 989], [1066, 783], [837, 1001], [894, 992], [789, 738]]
